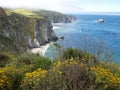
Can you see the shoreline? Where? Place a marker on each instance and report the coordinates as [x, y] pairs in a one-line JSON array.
[[41, 50]]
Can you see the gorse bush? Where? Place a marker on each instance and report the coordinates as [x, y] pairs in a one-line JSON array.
[[74, 70], [12, 73], [106, 78], [69, 75], [77, 54], [31, 80], [5, 81], [11, 76]]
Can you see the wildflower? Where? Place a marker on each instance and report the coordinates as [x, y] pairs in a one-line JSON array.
[[60, 72], [106, 86], [28, 75]]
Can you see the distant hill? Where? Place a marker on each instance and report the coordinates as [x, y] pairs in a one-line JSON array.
[[54, 17]]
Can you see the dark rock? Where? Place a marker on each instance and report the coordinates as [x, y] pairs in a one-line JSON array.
[[62, 38], [2, 12], [63, 19]]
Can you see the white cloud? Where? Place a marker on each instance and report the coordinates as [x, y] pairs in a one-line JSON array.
[[57, 5], [65, 6]]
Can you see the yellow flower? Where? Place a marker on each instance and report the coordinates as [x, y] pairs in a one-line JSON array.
[[60, 72], [106, 86], [28, 75], [106, 76], [58, 64]]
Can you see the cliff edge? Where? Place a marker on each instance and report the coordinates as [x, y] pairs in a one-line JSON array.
[[19, 32]]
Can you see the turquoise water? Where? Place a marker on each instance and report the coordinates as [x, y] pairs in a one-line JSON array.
[[51, 52], [87, 32]]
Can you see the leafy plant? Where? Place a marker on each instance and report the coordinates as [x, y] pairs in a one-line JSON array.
[[35, 60]]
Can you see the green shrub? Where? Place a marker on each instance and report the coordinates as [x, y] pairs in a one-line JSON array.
[[5, 58], [72, 53], [35, 60], [90, 59], [77, 54]]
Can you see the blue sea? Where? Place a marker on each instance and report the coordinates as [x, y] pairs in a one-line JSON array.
[[87, 32]]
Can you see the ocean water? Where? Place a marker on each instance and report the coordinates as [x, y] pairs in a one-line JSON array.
[[87, 32]]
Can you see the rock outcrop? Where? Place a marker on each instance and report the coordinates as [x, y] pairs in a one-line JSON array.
[[2, 12], [25, 32], [63, 19]]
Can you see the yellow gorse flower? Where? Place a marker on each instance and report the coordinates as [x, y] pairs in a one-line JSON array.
[[31, 78], [105, 76], [4, 80]]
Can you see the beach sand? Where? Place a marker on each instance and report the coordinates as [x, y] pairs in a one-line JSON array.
[[41, 51]]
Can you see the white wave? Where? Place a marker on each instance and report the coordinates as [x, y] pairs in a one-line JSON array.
[[55, 27]]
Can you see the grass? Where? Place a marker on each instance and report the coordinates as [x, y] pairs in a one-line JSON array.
[[24, 12]]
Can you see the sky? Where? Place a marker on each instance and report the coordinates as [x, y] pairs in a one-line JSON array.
[[65, 6]]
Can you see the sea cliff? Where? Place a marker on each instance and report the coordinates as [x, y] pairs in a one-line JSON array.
[[25, 32], [55, 17], [21, 32]]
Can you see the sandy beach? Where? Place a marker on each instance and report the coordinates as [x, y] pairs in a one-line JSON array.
[[41, 51]]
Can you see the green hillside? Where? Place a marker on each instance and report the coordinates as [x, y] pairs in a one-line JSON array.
[[24, 12]]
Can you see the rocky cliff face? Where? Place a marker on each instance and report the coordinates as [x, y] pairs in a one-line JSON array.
[[25, 32], [2, 12], [55, 17], [63, 19]]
